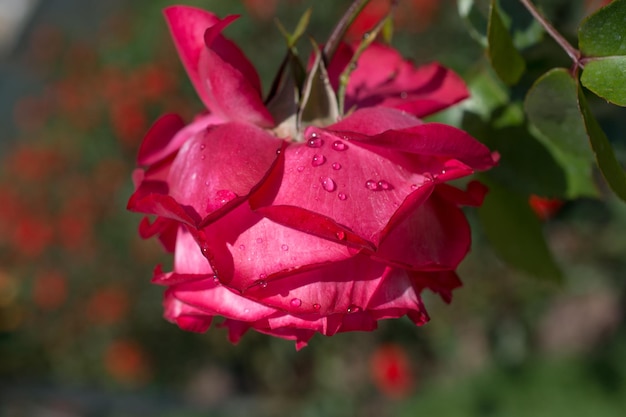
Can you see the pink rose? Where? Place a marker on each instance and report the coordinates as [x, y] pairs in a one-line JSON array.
[[329, 234]]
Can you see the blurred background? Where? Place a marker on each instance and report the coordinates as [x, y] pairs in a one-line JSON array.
[[81, 328]]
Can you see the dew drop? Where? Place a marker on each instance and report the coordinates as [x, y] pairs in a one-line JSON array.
[[278, 151], [295, 302], [316, 306], [339, 146], [342, 196], [216, 280], [284, 247], [262, 283], [403, 95], [328, 184], [246, 310], [428, 176], [300, 168], [414, 186], [203, 157], [341, 235], [318, 160], [336, 166], [353, 309], [443, 171], [242, 247], [315, 141], [202, 147], [262, 276], [384, 185], [259, 240], [371, 185]]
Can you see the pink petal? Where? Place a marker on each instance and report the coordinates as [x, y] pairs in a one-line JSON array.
[[429, 139], [216, 170], [187, 26], [231, 94], [344, 287], [249, 250], [223, 77], [353, 192], [384, 78]]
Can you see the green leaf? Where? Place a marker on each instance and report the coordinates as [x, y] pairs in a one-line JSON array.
[[606, 77], [609, 165], [602, 41], [504, 57], [552, 109], [515, 232], [604, 32]]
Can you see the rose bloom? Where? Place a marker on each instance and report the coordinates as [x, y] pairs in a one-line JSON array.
[[328, 229]]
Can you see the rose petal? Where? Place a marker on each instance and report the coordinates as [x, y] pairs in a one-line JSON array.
[[434, 236], [214, 171], [417, 90], [239, 245], [343, 287], [357, 188], [221, 74]]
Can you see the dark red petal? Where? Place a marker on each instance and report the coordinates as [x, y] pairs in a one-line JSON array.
[[434, 236], [168, 134], [384, 78], [154, 145], [440, 282]]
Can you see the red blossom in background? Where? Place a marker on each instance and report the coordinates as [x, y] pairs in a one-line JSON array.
[[545, 208], [391, 371], [290, 238]]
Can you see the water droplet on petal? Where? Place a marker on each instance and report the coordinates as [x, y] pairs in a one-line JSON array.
[[300, 168], [216, 280], [295, 302], [403, 95], [328, 184], [342, 196], [384, 185], [318, 160], [284, 247], [203, 157], [353, 309], [262, 283], [336, 166], [414, 186], [242, 247], [443, 171], [259, 240], [371, 185], [246, 310], [339, 146], [341, 235], [202, 147], [315, 141], [316, 306], [428, 176], [278, 151]]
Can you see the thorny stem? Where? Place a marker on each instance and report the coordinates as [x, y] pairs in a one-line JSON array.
[[346, 20], [573, 53]]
